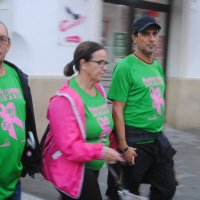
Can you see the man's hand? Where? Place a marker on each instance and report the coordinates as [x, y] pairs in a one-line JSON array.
[[129, 155]]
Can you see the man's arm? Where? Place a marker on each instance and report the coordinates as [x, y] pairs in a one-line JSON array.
[[117, 112]]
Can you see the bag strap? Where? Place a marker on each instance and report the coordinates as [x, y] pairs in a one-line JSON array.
[[118, 178], [122, 192], [42, 142]]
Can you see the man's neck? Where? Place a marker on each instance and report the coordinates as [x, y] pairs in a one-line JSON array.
[[145, 58]]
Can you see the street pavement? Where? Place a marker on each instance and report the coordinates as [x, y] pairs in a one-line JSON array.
[[187, 166], [26, 196]]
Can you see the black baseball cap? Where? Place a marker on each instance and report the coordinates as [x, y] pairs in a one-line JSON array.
[[143, 23]]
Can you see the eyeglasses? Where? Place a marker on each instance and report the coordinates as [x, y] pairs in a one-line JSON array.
[[101, 63], [4, 40]]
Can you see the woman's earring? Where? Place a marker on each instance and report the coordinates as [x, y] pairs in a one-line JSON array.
[[74, 68]]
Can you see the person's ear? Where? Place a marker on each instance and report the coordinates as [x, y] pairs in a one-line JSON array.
[[83, 64], [133, 38], [8, 47], [82, 61]]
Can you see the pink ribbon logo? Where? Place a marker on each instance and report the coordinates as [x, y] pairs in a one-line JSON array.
[[157, 100], [104, 123], [8, 113]]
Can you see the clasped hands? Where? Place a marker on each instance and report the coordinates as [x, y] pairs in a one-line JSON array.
[[112, 156]]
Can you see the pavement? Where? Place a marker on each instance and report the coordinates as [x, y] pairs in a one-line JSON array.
[[26, 196], [187, 162]]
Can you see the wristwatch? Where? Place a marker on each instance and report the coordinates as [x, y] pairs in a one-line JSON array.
[[124, 150]]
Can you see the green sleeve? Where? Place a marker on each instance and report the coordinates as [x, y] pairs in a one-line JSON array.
[[120, 84], [160, 69]]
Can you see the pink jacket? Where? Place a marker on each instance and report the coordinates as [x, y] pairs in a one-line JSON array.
[[65, 150]]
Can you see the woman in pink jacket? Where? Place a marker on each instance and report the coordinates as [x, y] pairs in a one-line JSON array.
[[77, 144]]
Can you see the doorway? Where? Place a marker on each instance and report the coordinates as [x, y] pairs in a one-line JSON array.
[[118, 16]]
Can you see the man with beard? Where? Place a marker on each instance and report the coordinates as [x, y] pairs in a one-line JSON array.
[[137, 93]]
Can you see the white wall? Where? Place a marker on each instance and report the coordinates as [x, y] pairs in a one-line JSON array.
[[193, 67], [175, 40], [184, 43], [35, 36]]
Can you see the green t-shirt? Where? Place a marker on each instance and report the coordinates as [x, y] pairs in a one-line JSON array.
[[99, 122], [141, 87], [12, 131]]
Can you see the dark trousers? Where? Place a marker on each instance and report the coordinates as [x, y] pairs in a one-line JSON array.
[[111, 191], [90, 189], [148, 168], [17, 193]]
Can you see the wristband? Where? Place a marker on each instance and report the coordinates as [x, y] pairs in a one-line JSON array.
[[124, 150]]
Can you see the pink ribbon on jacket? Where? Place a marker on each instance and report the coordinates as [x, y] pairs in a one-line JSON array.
[[8, 113], [157, 100]]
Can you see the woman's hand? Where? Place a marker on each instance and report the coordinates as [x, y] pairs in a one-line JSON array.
[[111, 156]]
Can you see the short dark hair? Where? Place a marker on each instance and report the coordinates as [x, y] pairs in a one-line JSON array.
[[83, 51]]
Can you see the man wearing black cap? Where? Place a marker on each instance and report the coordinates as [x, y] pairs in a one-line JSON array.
[[137, 92]]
